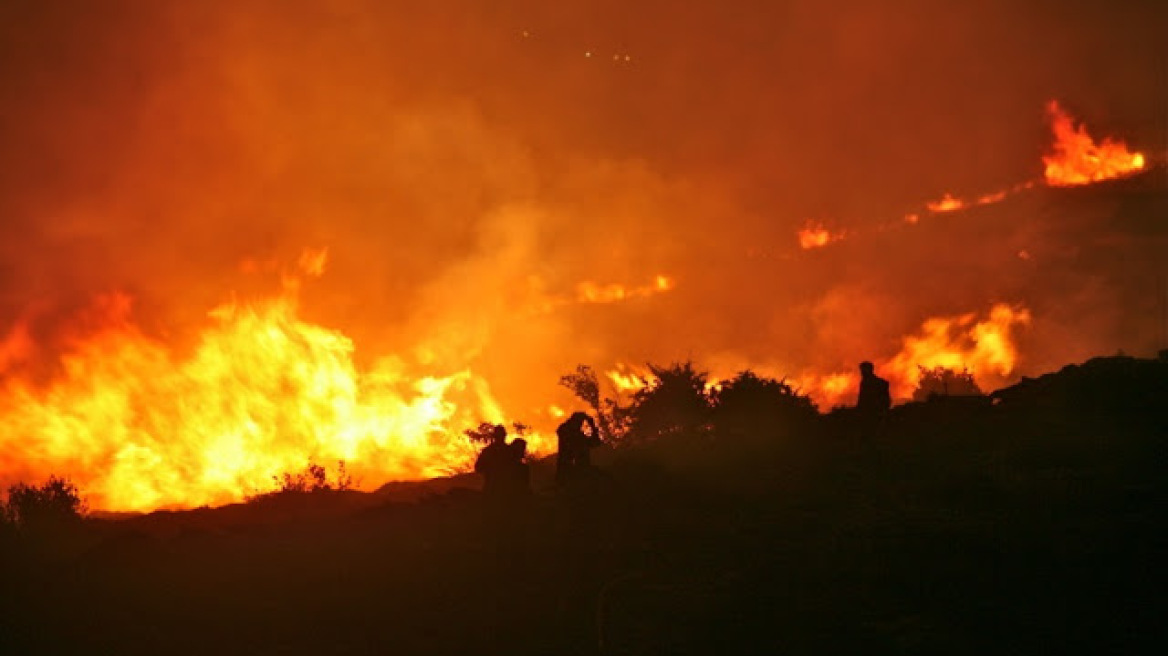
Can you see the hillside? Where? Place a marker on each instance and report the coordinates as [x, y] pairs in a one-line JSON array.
[[1028, 522]]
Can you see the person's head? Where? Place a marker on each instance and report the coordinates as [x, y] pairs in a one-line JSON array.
[[520, 446], [866, 368], [499, 434], [578, 419]]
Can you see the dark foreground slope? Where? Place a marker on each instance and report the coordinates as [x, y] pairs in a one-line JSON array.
[[1030, 523]]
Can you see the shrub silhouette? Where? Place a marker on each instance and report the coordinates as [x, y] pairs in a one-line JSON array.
[[749, 402], [485, 431], [943, 381], [53, 503], [675, 402], [314, 478]]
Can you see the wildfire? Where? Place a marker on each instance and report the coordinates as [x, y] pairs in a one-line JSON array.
[[1078, 160], [628, 380], [591, 292], [984, 347], [947, 204], [995, 197], [830, 390], [140, 427]]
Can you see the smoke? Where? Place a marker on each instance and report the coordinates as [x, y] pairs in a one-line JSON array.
[[466, 163]]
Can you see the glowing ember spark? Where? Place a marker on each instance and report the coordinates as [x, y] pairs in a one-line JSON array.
[[138, 426], [1078, 160]]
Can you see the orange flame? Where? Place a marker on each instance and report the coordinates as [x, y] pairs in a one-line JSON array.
[[591, 292], [995, 197], [830, 390], [947, 204], [814, 234], [139, 427], [984, 347], [1078, 160], [628, 380]]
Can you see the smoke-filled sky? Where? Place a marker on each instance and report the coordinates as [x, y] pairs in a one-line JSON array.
[[464, 162]]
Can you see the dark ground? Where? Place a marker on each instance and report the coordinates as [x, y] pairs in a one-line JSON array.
[[1035, 524]]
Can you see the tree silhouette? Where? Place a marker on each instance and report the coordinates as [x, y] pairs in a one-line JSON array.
[[55, 502], [315, 478]]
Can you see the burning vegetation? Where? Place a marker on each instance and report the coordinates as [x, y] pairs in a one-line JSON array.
[[1078, 160]]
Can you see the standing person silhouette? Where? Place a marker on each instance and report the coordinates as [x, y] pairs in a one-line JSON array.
[[874, 400], [578, 484], [517, 476], [494, 464], [574, 459]]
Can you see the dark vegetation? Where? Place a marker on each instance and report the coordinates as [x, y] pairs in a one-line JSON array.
[[732, 520], [942, 381]]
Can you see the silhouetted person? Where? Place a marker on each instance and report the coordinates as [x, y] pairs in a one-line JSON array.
[[516, 474], [493, 463], [506, 478], [582, 512], [874, 399], [574, 459]]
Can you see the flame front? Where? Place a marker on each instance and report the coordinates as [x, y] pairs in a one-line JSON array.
[[138, 428], [984, 347], [1078, 160]]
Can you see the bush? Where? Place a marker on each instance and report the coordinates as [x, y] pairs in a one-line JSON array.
[[55, 502], [675, 402], [942, 381], [314, 478], [750, 403], [484, 433]]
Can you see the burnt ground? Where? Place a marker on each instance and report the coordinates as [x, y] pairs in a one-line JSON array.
[[1033, 523]]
